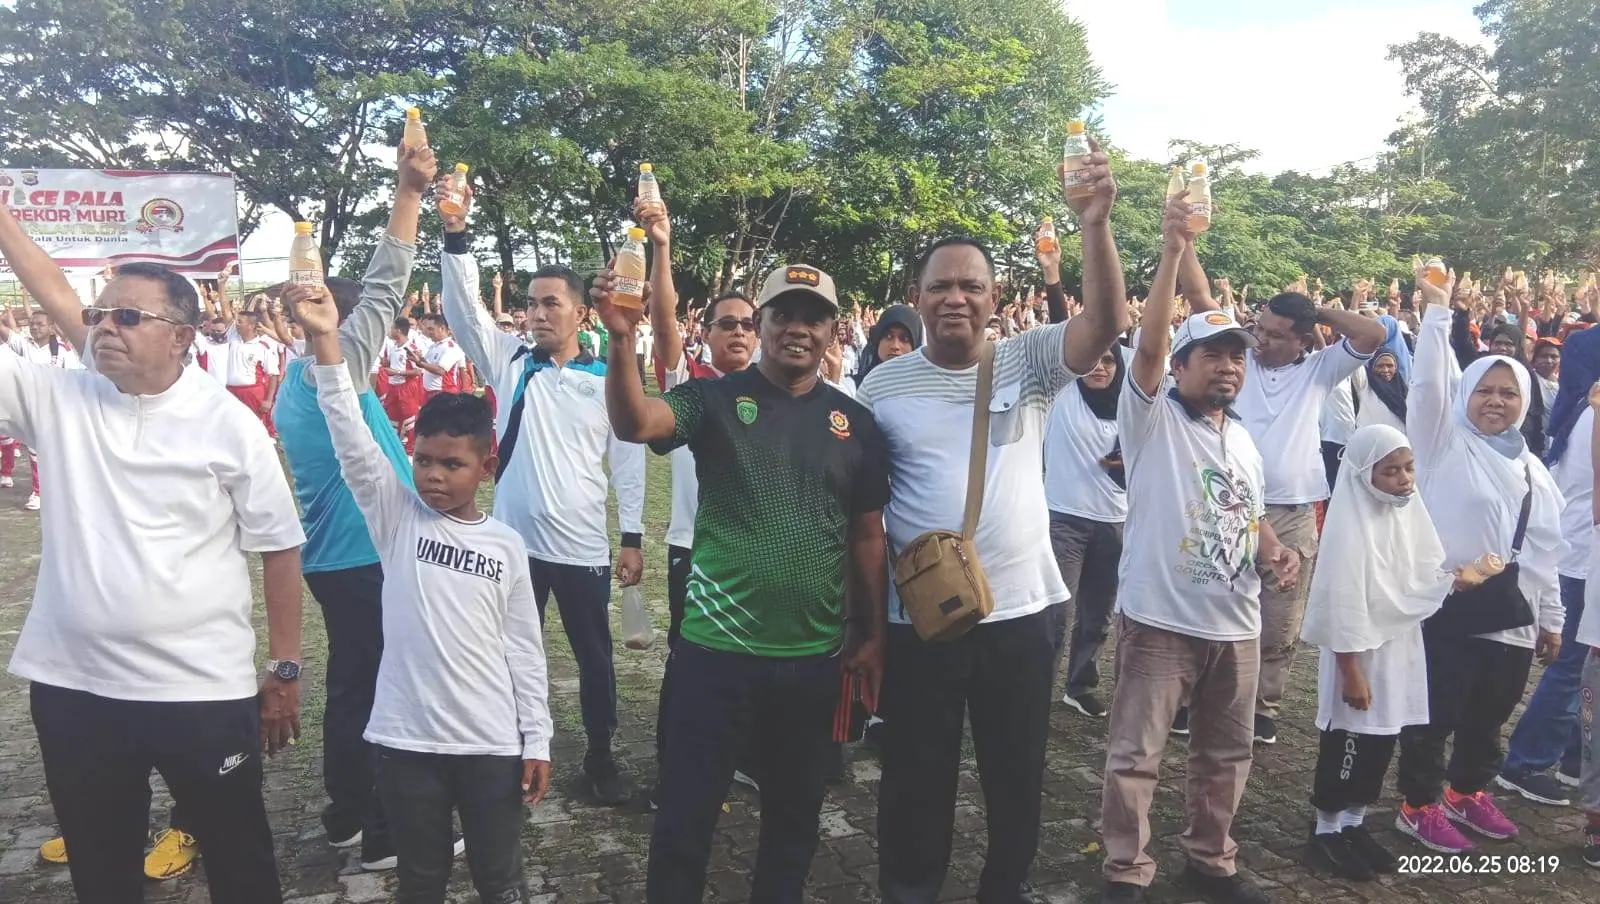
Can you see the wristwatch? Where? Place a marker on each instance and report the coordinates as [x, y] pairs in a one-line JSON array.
[[284, 669]]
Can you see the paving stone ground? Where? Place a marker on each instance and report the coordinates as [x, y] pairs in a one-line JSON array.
[[579, 853]]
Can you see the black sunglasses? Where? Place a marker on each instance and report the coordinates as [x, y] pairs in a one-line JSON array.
[[125, 317], [727, 324]]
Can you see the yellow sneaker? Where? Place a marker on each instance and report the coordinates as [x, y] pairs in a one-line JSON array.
[[172, 856], [54, 851]]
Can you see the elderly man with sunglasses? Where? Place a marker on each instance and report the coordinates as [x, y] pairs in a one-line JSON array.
[[139, 645]]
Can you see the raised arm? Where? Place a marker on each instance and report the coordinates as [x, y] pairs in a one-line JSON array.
[[1363, 333], [486, 347], [377, 489], [1150, 358], [1193, 283], [383, 287], [667, 341], [1435, 374], [635, 417], [1105, 298], [41, 277]]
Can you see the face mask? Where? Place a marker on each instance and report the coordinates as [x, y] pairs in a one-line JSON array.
[[1390, 499]]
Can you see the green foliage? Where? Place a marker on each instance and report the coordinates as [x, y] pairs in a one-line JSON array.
[[844, 133]]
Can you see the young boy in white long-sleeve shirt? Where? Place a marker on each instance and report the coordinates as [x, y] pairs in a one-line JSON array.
[[461, 716]]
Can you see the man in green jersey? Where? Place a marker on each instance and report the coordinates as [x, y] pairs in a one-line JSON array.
[[793, 480]]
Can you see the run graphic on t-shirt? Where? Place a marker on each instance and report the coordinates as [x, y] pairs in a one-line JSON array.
[[1224, 528]]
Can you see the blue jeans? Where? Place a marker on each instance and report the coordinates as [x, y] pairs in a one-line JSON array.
[[1547, 733]]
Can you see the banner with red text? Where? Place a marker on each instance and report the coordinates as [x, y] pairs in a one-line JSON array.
[[90, 219]]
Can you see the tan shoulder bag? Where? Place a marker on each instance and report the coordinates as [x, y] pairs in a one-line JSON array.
[[941, 583]]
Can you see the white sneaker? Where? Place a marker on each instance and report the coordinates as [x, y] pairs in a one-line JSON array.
[[32, 504], [7, 483], [745, 780]]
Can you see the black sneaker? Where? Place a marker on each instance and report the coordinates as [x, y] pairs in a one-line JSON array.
[[1087, 703], [608, 786], [1539, 787], [1266, 730], [1591, 846], [1234, 889], [1339, 856], [1569, 779], [1122, 893], [1371, 852], [1180, 722]]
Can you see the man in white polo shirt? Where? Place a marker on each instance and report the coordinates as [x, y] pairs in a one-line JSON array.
[[41, 345], [1284, 392], [555, 439], [139, 645], [1188, 601], [1001, 670]]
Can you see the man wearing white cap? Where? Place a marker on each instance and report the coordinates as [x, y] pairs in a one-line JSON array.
[[1188, 604]]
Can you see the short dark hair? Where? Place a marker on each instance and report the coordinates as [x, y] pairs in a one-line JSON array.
[[346, 293], [950, 242], [567, 275], [1295, 307], [403, 324], [1181, 356], [182, 299], [710, 313], [458, 414]]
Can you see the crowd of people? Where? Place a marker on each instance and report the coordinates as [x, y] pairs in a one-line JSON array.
[[1207, 481]]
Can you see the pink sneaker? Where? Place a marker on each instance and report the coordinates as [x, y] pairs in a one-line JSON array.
[[1432, 829], [1479, 813]]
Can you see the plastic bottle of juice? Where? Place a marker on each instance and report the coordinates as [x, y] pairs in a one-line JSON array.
[[1075, 162], [1047, 242], [1199, 199], [627, 287], [415, 136], [649, 188], [305, 259], [1176, 183], [1434, 272], [453, 200]]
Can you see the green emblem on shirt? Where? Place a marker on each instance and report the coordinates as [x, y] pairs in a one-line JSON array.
[[745, 407]]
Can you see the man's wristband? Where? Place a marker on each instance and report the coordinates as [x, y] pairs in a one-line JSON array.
[[632, 541], [457, 242]]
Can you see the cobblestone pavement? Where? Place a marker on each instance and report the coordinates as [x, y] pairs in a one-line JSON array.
[[579, 853]]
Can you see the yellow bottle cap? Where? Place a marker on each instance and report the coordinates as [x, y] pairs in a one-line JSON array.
[[1075, 127], [461, 167], [302, 228], [646, 168], [1199, 169], [413, 113], [1049, 221], [636, 234]]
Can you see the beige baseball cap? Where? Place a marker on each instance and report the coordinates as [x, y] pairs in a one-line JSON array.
[[799, 278]]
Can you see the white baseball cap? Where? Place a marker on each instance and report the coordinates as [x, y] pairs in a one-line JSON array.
[[1206, 326]]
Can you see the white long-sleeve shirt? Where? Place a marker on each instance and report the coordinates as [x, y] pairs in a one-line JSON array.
[[1472, 515], [463, 668], [553, 491]]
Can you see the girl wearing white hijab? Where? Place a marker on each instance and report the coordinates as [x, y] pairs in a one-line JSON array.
[[1477, 478], [1380, 572]]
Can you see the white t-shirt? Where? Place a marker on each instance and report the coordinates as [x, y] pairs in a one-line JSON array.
[[1194, 513], [685, 482], [250, 361], [1397, 674], [215, 357], [643, 340], [144, 582], [463, 669], [1075, 483], [1589, 626], [1574, 475], [396, 359], [449, 356], [1338, 418], [1280, 406], [553, 492], [34, 353], [925, 412]]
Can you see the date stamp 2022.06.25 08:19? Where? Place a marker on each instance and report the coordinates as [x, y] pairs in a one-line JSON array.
[[1478, 864]]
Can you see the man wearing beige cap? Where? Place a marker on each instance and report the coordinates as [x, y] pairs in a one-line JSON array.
[[793, 480]]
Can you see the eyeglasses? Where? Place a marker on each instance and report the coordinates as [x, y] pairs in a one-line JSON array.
[[727, 324], [125, 317]]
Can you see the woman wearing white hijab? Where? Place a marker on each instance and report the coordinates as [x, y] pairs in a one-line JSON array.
[[1380, 572], [1487, 495]]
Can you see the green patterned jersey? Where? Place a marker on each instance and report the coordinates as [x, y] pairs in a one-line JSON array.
[[781, 477]]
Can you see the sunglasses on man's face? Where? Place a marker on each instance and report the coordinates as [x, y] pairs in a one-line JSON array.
[[124, 317], [727, 324]]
